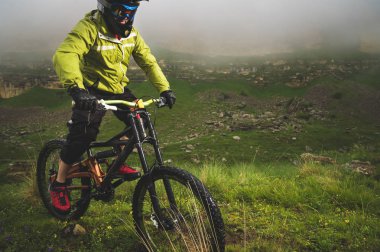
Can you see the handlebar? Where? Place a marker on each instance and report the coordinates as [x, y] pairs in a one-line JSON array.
[[108, 104]]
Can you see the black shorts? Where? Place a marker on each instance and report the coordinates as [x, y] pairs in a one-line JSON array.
[[84, 125]]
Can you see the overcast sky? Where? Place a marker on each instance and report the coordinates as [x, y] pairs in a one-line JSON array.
[[211, 27]]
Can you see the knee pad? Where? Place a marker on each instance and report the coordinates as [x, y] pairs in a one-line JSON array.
[[91, 133]]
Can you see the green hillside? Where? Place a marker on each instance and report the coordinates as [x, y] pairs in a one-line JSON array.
[[347, 124], [38, 96], [292, 168]]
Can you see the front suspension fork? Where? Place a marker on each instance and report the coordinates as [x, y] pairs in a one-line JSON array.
[[141, 135]]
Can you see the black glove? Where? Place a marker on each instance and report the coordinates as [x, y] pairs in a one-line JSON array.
[[83, 100], [169, 97]]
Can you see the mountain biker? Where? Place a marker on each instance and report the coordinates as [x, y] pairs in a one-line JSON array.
[[92, 62]]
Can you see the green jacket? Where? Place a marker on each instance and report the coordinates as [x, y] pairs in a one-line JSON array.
[[91, 56]]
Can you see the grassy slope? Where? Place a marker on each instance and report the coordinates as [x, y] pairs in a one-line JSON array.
[[38, 96], [268, 204], [189, 115], [265, 207]]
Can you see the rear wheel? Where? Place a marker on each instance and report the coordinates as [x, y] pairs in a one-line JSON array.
[[47, 169], [189, 221]]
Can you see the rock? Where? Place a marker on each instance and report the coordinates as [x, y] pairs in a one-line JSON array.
[[73, 229], [308, 157], [268, 114], [219, 124], [190, 147], [308, 148], [237, 138], [79, 230], [235, 116], [363, 167], [169, 161], [241, 105], [194, 135]]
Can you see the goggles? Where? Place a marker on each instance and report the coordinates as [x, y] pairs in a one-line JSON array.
[[123, 11]]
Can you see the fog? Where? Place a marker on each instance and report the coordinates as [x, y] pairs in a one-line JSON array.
[[214, 27]]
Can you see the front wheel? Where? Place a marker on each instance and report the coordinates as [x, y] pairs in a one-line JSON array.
[[47, 170], [173, 209]]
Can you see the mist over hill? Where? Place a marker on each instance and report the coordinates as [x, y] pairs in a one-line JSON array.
[[216, 27]]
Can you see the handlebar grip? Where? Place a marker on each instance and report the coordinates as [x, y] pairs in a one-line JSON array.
[[106, 106], [97, 103]]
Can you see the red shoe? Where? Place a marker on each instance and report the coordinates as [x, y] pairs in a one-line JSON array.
[[60, 198], [128, 172]]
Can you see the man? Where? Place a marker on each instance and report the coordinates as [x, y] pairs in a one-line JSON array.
[[92, 62]]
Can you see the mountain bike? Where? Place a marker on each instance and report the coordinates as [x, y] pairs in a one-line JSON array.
[[169, 204]]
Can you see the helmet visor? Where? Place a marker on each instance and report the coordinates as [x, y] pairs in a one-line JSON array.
[[124, 11]]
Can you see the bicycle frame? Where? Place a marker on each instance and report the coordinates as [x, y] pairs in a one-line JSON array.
[[138, 135], [141, 131]]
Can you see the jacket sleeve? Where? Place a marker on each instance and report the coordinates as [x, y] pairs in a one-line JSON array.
[[69, 54], [148, 63]]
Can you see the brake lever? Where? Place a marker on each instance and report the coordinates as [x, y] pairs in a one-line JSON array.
[[100, 107], [161, 103]]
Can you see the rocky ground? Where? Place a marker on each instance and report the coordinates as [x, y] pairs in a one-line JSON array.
[[272, 115], [227, 112]]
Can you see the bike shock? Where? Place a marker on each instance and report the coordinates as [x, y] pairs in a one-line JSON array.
[[142, 130]]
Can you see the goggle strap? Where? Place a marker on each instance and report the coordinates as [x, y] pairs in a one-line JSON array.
[[108, 5], [131, 8]]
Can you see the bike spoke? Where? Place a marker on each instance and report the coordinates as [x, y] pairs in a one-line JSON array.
[[78, 187], [184, 226]]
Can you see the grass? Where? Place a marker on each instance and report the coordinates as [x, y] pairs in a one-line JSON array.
[[265, 207], [37, 96], [191, 229], [310, 207]]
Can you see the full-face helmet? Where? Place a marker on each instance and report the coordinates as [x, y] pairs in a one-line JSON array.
[[119, 14]]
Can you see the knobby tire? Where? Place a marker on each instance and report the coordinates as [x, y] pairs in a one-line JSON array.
[[79, 205], [195, 214]]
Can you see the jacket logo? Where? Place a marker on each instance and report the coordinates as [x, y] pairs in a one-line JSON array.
[[104, 48], [129, 45]]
